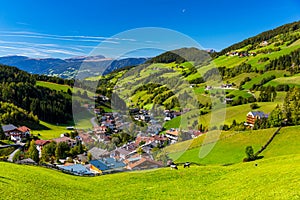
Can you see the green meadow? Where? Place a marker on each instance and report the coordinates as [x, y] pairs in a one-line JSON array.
[[50, 131], [273, 178], [230, 146], [53, 86]]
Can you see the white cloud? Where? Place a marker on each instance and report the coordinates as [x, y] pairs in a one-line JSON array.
[[79, 38]]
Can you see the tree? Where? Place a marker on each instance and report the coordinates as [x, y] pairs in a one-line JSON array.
[[89, 156], [73, 134], [254, 106], [140, 151], [249, 153], [233, 124], [115, 140], [183, 135], [276, 117], [33, 153], [142, 143], [69, 91], [2, 134], [163, 157], [62, 150], [48, 151]]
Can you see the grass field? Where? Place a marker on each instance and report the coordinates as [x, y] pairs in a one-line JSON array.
[[230, 148], [82, 121], [239, 78], [52, 131], [257, 79], [237, 113], [53, 86], [276, 178], [291, 81], [64, 88]]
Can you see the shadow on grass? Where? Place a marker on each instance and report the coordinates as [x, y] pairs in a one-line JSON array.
[[43, 127], [259, 157]]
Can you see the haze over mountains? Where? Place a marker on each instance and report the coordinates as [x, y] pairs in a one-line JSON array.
[[68, 68]]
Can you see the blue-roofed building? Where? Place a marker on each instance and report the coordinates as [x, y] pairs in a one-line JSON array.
[[107, 164], [99, 165], [112, 163], [76, 169]]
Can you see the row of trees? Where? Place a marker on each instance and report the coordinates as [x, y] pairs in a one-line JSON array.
[[267, 94], [289, 111], [54, 151], [54, 79], [288, 62], [51, 152], [229, 72]]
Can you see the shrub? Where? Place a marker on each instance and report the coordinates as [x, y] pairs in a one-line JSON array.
[[250, 153], [254, 106]]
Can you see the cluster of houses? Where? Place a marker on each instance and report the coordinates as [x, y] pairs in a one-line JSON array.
[[240, 54], [140, 115], [135, 155], [16, 134], [223, 86], [102, 161], [170, 114]]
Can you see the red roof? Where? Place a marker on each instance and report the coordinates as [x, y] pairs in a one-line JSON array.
[[160, 138], [172, 132], [42, 142], [143, 160], [197, 133], [23, 129], [63, 139], [139, 139]]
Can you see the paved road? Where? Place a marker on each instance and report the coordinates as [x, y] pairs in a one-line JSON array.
[[93, 121], [11, 156]]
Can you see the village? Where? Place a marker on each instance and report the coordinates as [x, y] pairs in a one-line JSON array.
[[91, 159]]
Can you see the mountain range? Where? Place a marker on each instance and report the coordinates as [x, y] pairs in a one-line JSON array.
[[69, 68]]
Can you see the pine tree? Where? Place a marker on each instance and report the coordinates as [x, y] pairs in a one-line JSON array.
[[2, 134], [33, 153]]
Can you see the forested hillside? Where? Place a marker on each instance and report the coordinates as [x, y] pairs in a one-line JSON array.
[[28, 102], [265, 36]]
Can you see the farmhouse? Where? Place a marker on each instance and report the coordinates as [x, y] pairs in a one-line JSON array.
[[172, 134], [68, 140], [98, 153], [253, 116], [40, 144], [121, 153], [144, 163], [15, 133]]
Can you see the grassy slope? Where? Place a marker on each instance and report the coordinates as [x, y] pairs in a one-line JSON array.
[[231, 146], [53, 131], [59, 87], [257, 79], [272, 178], [291, 81], [232, 112], [53, 86]]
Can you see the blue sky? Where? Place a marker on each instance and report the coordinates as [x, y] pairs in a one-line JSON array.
[[73, 28]]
